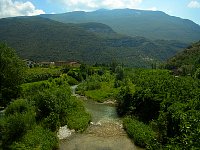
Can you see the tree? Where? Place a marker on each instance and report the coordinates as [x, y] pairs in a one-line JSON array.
[[11, 74], [119, 73]]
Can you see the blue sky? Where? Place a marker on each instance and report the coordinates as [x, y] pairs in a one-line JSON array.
[[187, 9]]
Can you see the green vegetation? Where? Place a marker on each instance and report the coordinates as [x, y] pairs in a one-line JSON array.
[[99, 87], [53, 101], [16, 123], [88, 43], [48, 104], [32, 121], [38, 74], [186, 62], [167, 104], [37, 138], [11, 74], [142, 134], [159, 110]]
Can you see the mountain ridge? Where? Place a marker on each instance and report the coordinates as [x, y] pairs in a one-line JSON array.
[[150, 24], [42, 39]]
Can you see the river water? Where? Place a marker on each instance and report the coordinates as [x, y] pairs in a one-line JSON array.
[[104, 133]]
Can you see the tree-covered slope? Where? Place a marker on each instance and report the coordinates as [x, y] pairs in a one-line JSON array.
[[186, 62], [190, 56], [42, 39], [149, 24]]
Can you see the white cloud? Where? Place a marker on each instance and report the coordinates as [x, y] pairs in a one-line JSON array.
[[87, 5], [194, 4], [12, 8]]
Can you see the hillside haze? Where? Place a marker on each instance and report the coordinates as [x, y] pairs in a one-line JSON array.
[[149, 24]]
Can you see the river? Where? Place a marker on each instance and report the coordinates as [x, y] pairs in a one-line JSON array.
[[104, 133]]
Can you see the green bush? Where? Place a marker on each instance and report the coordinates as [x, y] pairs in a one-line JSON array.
[[142, 134], [37, 138], [70, 80], [52, 121], [18, 106], [76, 75], [11, 74], [40, 74], [55, 106], [77, 117], [52, 104], [29, 89], [99, 88], [15, 126]]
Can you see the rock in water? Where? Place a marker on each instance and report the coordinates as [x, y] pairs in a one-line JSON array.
[[64, 132]]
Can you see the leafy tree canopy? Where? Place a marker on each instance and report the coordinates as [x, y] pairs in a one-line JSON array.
[[11, 73]]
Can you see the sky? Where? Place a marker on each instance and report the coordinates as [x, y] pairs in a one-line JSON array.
[[187, 9]]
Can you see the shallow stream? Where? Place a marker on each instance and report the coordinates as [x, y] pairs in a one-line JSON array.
[[104, 133]]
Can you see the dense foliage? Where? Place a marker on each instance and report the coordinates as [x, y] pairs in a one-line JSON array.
[[54, 103], [186, 62], [11, 74], [44, 107], [142, 134], [99, 87], [88, 43], [169, 104], [37, 138], [38, 74], [32, 121]]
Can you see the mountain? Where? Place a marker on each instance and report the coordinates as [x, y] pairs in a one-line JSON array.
[[190, 57], [150, 24], [42, 39]]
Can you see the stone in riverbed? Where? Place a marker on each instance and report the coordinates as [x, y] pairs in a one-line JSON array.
[[64, 132]]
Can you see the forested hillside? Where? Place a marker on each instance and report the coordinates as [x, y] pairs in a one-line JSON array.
[[149, 24], [42, 39], [190, 56], [186, 62]]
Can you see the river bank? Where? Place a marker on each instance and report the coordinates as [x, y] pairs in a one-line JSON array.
[[105, 132]]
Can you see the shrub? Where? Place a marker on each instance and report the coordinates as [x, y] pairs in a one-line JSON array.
[[18, 106], [29, 89], [52, 104], [77, 117], [15, 126], [142, 134], [70, 80], [40, 74], [38, 138], [76, 75]]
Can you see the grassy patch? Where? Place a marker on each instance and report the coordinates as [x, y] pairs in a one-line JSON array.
[[99, 88], [77, 117], [141, 133], [37, 138], [107, 91]]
